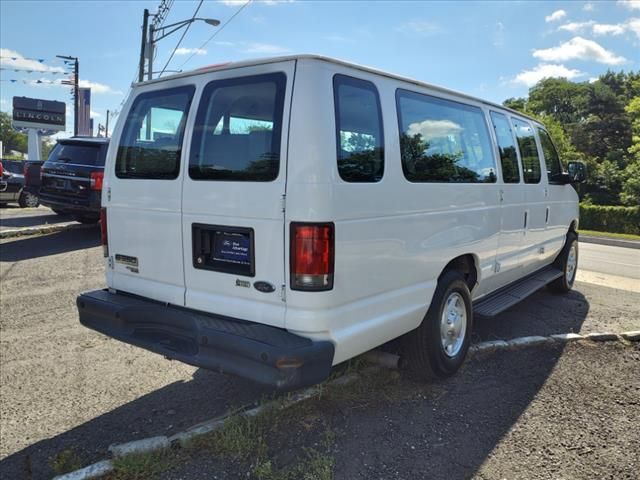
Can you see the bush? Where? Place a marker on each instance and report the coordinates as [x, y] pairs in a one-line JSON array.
[[610, 219]]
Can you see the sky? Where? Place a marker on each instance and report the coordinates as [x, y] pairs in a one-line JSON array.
[[492, 50]]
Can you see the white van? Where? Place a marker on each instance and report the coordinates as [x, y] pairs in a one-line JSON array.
[[273, 218]]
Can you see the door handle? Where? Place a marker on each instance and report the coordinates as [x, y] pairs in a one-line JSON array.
[[525, 220], [546, 218]]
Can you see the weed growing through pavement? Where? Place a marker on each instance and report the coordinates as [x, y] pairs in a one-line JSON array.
[[66, 461]]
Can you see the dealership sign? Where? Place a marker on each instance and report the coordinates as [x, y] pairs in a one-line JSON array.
[[35, 113]]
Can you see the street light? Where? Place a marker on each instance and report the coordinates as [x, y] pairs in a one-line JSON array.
[[154, 35]]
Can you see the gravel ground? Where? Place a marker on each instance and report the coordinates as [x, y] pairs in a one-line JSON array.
[[536, 413], [64, 386]]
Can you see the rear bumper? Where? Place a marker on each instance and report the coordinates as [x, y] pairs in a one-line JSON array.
[[264, 354], [84, 206]]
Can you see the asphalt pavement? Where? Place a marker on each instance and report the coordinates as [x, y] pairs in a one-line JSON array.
[[64, 386]]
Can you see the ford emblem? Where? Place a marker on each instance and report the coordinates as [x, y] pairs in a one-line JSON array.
[[264, 287]]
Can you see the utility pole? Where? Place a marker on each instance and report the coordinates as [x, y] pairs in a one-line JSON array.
[[150, 54], [75, 85], [143, 47], [106, 128]]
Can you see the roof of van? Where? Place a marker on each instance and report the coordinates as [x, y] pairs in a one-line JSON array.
[[262, 61]]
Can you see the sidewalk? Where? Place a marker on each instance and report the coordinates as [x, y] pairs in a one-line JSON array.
[[15, 222]]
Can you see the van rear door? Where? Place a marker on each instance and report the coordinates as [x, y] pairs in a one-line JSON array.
[[143, 194], [233, 194]]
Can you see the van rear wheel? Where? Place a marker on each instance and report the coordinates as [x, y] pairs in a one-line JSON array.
[[438, 347], [567, 261]]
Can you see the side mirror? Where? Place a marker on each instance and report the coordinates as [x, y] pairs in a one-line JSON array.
[[577, 171]]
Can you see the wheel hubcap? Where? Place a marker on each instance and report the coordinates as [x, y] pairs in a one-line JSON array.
[[572, 263], [453, 324]]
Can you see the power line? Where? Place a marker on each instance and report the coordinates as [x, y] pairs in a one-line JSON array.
[[216, 32], [181, 38]]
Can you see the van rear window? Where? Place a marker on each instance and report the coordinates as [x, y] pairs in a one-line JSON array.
[[151, 141], [238, 130], [77, 154]]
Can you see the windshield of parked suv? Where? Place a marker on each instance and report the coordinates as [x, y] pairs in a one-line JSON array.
[[77, 154]]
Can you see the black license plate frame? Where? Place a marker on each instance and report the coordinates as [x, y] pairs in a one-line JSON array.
[[225, 249]]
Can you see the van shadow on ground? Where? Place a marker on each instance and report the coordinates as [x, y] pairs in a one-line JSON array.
[[34, 220], [165, 411], [477, 408], [25, 248]]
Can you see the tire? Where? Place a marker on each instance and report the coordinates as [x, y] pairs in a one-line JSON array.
[[424, 351], [86, 219], [28, 200], [567, 261]]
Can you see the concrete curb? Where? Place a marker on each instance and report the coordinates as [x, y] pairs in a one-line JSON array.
[[612, 242], [522, 342], [20, 232], [151, 444]]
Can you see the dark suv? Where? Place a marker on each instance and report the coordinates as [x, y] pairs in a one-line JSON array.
[[72, 177]]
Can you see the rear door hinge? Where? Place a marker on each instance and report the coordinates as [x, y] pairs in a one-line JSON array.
[[110, 262], [283, 292], [109, 194], [283, 202]]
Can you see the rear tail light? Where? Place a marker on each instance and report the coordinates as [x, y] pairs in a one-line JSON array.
[[103, 232], [312, 256], [96, 180]]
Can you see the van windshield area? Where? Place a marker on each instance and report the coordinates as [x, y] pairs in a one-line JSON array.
[[77, 154], [238, 130], [151, 141]]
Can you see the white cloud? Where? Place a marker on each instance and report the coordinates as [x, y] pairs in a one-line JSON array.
[[98, 87], [3, 101], [633, 25], [579, 48], [93, 114], [609, 29], [422, 27], [593, 79], [575, 27], [13, 59], [555, 16], [430, 129], [498, 35], [600, 29], [630, 4], [189, 51], [588, 7], [225, 44], [265, 48], [546, 70]]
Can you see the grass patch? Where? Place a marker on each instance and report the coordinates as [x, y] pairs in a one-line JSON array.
[[621, 236], [66, 461], [140, 466]]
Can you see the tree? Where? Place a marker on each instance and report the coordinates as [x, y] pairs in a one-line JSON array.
[[11, 139]]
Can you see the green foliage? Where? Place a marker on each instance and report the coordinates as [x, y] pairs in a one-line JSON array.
[[597, 123], [11, 140], [65, 461], [141, 466], [610, 218]]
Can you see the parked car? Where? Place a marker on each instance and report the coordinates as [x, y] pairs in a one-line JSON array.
[[71, 178], [12, 184], [271, 232]]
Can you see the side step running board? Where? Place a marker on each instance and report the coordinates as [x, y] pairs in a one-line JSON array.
[[508, 296]]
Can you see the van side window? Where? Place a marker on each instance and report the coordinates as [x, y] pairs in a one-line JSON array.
[[507, 148], [551, 158], [443, 141], [528, 151], [238, 129], [151, 140], [359, 134]]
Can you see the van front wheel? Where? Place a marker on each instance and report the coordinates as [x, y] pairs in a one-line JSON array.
[[438, 347], [567, 261]]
